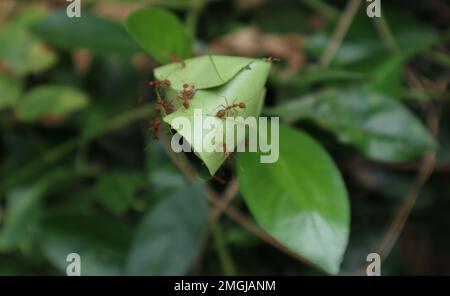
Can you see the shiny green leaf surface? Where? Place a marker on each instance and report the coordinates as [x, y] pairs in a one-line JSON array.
[[301, 199]]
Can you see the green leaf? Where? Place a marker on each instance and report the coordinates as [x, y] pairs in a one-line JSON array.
[[246, 86], [363, 41], [160, 33], [387, 77], [49, 100], [164, 176], [203, 72], [115, 190], [378, 125], [100, 241], [9, 91], [91, 32], [24, 209], [22, 53], [301, 199], [313, 75], [169, 237], [21, 218]]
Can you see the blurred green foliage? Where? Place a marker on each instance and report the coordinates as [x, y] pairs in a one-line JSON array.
[[80, 173]]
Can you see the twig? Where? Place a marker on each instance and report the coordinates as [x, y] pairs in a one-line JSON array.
[[179, 159], [323, 8], [246, 223], [228, 196], [58, 152], [340, 32], [426, 168], [193, 16], [225, 259], [439, 58], [385, 34]]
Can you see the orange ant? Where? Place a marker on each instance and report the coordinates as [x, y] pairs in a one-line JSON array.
[[227, 154], [175, 59], [166, 105], [160, 83], [155, 126], [222, 112], [186, 94]]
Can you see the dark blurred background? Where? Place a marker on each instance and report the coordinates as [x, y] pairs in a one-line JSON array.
[[79, 169]]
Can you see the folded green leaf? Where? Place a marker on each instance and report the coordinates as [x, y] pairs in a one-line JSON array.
[[247, 86], [203, 72], [301, 199], [378, 125]]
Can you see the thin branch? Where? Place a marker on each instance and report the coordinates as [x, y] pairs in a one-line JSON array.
[[328, 11], [426, 168], [194, 15], [179, 159], [340, 32], [386, 35], [247, 223], [230, 193], [61, 150], [220, 244]]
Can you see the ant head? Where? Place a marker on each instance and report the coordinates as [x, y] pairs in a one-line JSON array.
[[242, 105], [272, 59], [185, 85]]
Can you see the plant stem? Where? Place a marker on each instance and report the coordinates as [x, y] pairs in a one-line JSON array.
[[248, 224], [225, 259], [193, 16], [427, 166], [328, 11], [58, 152], [340, 32], [440, 58], [386, 35]]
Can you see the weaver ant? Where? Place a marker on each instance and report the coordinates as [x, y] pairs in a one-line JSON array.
[[227, 154], [160, 83], [166, 105], [222, 112], [155, 126], [186, 94], [175, 59], [272, 59]]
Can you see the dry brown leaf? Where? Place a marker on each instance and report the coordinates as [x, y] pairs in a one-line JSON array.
[[249, 41]]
